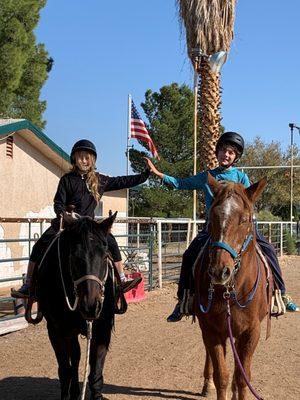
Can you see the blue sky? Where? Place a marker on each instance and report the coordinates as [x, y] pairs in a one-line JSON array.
[[105, 50]]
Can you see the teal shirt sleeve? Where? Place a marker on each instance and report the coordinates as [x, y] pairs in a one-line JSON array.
[[245, 180], [191, 183]]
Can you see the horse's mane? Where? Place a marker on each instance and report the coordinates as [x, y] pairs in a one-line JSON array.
[[229, 189]]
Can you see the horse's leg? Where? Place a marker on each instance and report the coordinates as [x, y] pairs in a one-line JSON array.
[[208, 385], [245, 345], [61, 348], [99, 348], [216, 346], [75, 358]]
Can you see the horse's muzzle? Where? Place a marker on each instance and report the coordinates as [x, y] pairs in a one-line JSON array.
[[90, 290], [90, 310], [220, 275]]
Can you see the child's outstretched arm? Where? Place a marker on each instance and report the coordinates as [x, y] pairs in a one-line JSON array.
[[153, 169]]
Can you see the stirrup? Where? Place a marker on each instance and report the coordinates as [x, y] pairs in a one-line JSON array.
[[277, 305]]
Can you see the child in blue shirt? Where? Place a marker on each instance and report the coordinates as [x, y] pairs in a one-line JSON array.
[[229, 150]]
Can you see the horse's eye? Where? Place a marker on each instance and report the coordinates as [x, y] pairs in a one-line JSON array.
[[244, 219]]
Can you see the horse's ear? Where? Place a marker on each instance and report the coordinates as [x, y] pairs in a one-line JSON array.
[[212, 183], [254, 191], [106, 224]]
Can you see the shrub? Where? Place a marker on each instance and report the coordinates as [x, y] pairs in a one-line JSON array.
[[290, 244], [266, 215]]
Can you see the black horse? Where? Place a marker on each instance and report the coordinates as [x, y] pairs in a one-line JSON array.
[[77, 268]]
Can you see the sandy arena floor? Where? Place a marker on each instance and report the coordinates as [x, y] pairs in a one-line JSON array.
[[151, 359]]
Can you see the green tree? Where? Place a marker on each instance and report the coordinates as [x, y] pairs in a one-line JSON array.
[[276, 196], [170, 116], [24, 64]]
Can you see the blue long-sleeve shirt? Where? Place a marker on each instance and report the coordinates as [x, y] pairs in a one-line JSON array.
[[199, 181]]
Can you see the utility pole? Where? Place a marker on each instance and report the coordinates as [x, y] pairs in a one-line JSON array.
[[292, 127]]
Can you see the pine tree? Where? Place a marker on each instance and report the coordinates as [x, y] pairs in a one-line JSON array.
[[24, 64], [170, 116]]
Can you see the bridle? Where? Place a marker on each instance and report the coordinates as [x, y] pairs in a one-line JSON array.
[[234, 254], [77, 282]]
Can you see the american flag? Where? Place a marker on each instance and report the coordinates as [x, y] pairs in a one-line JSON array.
[[139, 131]]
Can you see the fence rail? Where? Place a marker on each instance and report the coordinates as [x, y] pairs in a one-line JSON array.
[[154, 246]]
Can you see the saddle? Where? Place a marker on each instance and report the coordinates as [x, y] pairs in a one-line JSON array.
[[276, 304]]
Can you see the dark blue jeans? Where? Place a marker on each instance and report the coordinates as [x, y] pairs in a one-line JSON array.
[[191, 253], [270, 254]]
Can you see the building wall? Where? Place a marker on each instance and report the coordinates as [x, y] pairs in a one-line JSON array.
[[117, 201], [28, 180], [28, 183]]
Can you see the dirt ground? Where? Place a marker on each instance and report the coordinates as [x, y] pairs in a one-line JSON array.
[[151, 359]]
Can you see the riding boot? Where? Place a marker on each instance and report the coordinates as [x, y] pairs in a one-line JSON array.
[[176, 314], [130, 284], [24, 290]]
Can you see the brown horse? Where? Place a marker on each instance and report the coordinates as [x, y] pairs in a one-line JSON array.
[[234, 283]]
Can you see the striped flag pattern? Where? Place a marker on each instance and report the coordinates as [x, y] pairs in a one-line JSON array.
[[139, 131]]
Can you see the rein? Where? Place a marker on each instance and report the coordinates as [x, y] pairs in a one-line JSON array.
[[235, 353]]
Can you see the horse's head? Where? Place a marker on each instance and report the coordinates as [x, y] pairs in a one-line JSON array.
[[230, 225], [89, 262]]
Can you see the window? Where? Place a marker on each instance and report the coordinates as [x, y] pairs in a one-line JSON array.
[[9, 146]]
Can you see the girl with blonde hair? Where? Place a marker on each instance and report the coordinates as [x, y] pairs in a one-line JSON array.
[[82, 189]]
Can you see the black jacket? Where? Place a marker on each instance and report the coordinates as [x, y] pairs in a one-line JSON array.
[[72, 190]]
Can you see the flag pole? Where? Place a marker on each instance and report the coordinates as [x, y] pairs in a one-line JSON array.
[[128, 132], [127, 149], [194, 232]]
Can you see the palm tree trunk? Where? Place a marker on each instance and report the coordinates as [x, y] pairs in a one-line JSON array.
[[209, 118]]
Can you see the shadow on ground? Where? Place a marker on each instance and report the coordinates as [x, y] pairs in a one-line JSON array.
[[26, 388]]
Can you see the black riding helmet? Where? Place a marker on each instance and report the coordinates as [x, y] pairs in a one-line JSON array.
[[83, 144], [234, 139]]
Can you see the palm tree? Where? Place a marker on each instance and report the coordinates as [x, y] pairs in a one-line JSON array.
[[209, 30]]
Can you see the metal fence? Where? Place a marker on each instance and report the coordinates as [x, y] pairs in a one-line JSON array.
[[152, 246]]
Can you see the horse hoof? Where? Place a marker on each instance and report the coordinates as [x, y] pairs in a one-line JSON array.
[[208, 388]]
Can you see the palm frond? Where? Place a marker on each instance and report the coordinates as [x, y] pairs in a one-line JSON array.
[[208, 23]]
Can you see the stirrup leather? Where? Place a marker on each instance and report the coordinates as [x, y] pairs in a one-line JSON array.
[[186, 305]]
